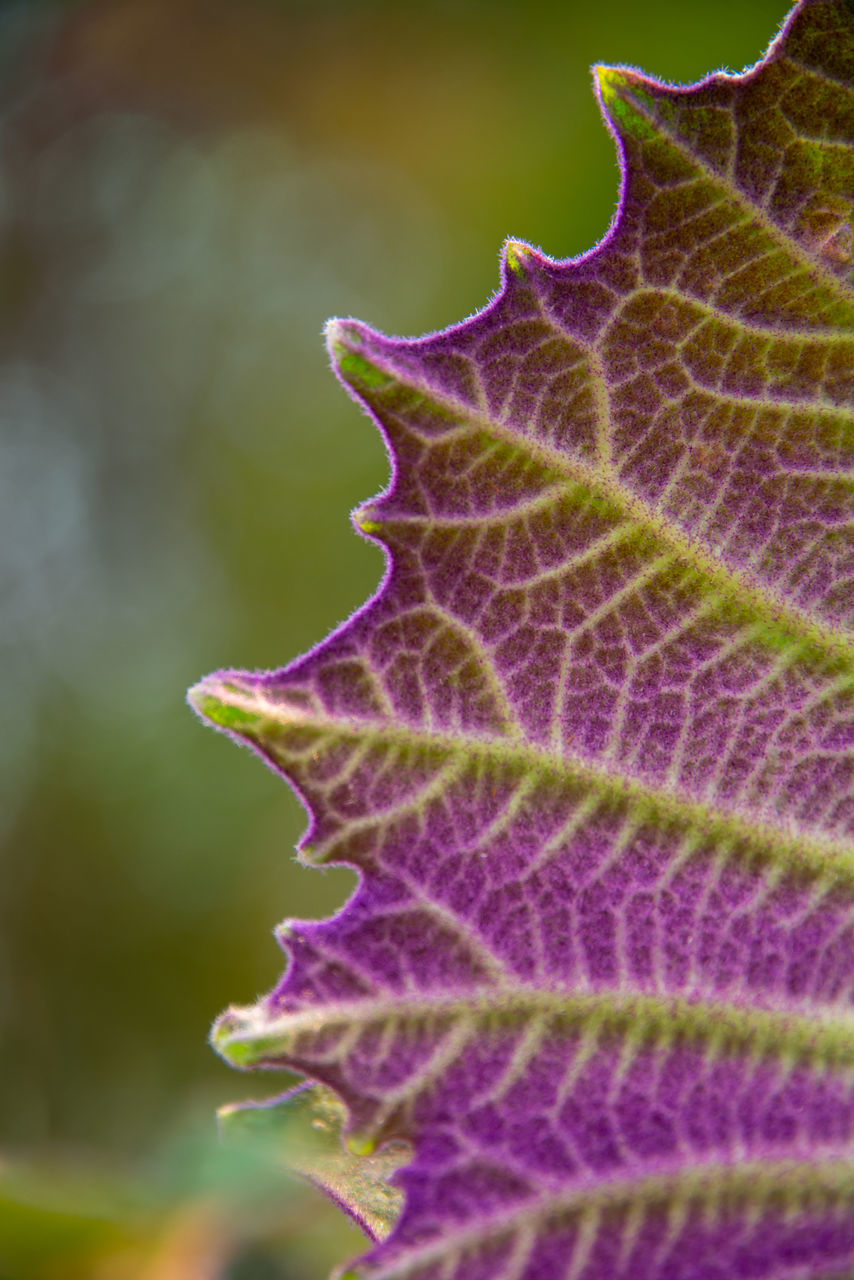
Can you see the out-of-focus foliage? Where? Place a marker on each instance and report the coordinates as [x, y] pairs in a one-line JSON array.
[[201, 1208], [188, 188]]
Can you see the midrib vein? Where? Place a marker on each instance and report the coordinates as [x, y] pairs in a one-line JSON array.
[[804, 851], [742, 588], [829, 1174], [820, 1037]]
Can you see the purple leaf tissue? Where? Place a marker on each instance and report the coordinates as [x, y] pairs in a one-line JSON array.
[[591, 746]]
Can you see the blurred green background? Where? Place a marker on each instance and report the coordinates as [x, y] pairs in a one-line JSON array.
[[188, 189]]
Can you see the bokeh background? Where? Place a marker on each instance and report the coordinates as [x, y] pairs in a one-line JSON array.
[[188, 189]]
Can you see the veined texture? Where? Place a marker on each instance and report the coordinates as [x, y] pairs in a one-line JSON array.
[[591, 746]]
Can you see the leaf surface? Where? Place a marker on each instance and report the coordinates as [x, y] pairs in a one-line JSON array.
[[591, 746]]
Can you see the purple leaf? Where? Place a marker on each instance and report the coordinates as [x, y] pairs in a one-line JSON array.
[[591, 747]]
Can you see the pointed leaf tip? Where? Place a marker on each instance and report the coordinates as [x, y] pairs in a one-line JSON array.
[[239, 706], [604, 78], [227, 705], [366, 519], [229, 1036], [626, 98], [348, 349], [518, 256], [611, 81]]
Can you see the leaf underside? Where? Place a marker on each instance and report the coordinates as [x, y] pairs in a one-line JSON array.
[[591, 746]]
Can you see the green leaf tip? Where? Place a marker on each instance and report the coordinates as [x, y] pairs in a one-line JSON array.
[[608, 80], [352, 365], [365, 519], [226, 1026], [623, 99], [241, 709], [225, 706], [517, 256]]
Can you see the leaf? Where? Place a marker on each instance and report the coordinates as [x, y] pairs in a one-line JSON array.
[[305, 1125], [591, 746]]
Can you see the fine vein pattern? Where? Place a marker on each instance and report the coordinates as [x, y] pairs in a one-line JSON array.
[[591, 746]]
